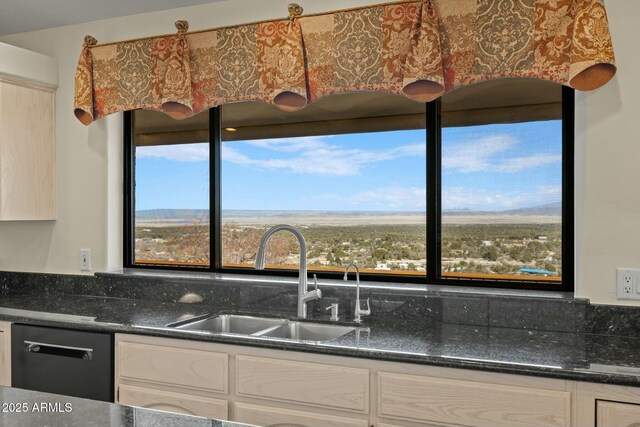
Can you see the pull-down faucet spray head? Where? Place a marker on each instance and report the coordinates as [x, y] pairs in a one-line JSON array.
[[260, 258]]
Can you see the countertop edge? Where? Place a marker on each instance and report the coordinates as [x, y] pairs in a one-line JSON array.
[[342, 351]]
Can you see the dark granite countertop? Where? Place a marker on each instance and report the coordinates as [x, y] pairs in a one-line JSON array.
[[25, 408], [576, 356]]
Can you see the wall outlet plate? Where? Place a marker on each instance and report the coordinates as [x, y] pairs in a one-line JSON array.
[[628, 283]]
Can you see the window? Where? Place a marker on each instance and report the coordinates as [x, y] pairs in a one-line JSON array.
[[352, 179], [475, 188], [501, 182], [171, 222]]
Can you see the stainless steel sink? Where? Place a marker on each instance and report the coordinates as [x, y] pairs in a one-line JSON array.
[[266, 328], [306, 331], [233, 324]]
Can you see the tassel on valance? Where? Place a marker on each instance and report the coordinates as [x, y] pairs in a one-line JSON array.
[[84, 93], [418, 49]]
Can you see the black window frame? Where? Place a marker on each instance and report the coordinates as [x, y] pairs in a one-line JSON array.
[[433, 224]]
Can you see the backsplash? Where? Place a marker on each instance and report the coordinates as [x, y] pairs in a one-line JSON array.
[[558, 312]]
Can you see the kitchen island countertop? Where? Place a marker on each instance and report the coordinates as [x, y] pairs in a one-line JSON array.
[[25, 408]]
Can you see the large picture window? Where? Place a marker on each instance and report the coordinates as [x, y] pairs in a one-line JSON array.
[[353, 180], [501, 182], [475, 188]]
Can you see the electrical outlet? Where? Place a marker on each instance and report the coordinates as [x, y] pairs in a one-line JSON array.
[[85, 259], [628, 283]]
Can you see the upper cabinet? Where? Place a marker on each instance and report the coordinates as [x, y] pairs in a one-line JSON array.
[[28, 81]]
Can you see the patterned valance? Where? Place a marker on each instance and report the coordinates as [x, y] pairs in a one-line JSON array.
[[419, 49]]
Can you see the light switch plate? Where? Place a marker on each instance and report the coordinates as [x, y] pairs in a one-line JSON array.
[[85, 259]]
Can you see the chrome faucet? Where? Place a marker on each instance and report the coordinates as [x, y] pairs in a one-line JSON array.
[[304, 295], [359, 312]]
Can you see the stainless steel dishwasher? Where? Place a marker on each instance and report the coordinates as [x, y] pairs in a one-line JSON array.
[[62, 361]]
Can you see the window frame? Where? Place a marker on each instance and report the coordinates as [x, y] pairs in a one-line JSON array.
[[433, 224]]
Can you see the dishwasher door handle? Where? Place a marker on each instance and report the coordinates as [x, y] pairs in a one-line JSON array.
[[58, 350]]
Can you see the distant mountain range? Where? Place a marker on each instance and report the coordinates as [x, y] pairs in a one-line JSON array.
[[174, 214], [548, 209], [180, 215], [313, 214]]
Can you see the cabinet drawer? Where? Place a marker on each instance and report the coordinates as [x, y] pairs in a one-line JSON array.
[[614, 414], [173, 402], [269, 416], [470, 404], [314, 384], [185, 367]]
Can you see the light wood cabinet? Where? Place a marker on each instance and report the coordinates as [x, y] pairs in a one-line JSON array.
[[192, 368], [330, 386], [470, 403], [27, 152], [224, 381], [615, 414], [185, 377], [271, 387], [269, 416], [605, 405], [28, 81], [5, 353], [173, 402]]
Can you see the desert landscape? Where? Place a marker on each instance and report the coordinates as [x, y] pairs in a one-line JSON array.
[[473, 243]]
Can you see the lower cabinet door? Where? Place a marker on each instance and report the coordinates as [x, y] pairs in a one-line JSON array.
[[173, 402], [5, 354], [442, 401], [614, 414], [3, 380], [271, 417]]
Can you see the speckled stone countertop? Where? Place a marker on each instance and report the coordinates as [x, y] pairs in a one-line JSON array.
[[567, 355], [25, 408]]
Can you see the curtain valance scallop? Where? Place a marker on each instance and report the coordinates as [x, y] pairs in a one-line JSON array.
[[419, 49]]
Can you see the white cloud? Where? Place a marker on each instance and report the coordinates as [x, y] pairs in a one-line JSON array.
[[484, 155], [315, 155], [549, 192], [413, 198], [290, 145], [388, 198], [178, 152], [453, 198], [234, 156], [456, 198]]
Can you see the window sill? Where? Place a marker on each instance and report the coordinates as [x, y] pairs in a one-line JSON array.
[[383, 287]]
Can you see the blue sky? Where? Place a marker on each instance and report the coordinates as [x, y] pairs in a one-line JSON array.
[[502, 167], [495, 167]]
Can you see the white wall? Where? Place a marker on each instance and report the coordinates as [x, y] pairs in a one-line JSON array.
[[608, 166], [90, 159]]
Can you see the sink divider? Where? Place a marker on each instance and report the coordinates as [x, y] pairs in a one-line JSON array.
[[270, 329]]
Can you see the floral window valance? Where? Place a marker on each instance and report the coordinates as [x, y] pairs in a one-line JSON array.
[[419, 49]]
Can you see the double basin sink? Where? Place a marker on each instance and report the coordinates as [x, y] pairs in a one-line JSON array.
[[266, 328]]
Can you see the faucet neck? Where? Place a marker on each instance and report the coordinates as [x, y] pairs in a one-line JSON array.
[[303, 294], [262, 253], [355, 267], [359, 312]]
